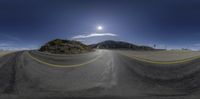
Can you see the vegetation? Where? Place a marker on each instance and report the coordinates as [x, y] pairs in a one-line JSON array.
[[59, 46]]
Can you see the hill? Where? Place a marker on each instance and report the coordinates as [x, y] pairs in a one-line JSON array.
[[109, 44], [59, 46]]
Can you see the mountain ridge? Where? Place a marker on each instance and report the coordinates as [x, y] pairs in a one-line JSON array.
[[111, 44], [60, 46]]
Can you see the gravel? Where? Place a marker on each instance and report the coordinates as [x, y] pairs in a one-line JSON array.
[[161, 55]]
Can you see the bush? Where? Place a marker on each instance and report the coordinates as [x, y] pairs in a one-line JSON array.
[[59, 46]]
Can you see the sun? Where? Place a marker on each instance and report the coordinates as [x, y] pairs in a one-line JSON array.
[[99, 27]]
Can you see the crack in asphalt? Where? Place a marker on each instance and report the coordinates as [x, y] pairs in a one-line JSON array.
[[109, 78], [8, 74]]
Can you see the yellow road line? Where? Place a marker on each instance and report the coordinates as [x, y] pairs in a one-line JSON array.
[[162, 62], [56, 65]]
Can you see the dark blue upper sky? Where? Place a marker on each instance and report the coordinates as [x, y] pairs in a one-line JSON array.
[[31, 23]]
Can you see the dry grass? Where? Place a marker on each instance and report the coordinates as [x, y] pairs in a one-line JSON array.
[[2, 53]]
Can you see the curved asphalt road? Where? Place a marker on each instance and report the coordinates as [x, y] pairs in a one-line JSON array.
[[103, 73]]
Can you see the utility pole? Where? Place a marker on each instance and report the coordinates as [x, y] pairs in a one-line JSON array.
[[165, 47], [154, 45]]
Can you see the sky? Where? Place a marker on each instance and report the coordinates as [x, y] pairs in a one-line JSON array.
[[28, 24]]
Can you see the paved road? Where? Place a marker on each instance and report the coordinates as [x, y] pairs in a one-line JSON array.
[[103, 73]]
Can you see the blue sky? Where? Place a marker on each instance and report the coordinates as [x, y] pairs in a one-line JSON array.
[[27, 24]]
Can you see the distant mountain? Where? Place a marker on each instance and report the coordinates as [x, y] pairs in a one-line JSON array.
[[110, 44], [59, 46]]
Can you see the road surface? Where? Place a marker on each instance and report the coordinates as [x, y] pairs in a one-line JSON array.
[[102, 73]]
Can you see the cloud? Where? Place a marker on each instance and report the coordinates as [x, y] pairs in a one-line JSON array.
[[9, 37], [4, 44], [8, 46], [93, 35], [12, 43], [197, 44]]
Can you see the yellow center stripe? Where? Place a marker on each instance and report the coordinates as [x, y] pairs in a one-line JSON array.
[[56, 65]]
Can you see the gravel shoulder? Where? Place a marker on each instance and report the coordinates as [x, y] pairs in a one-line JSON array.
[[161, 55]]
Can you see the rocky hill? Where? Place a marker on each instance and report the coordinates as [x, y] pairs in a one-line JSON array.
[[109, 44], [59, 46]]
